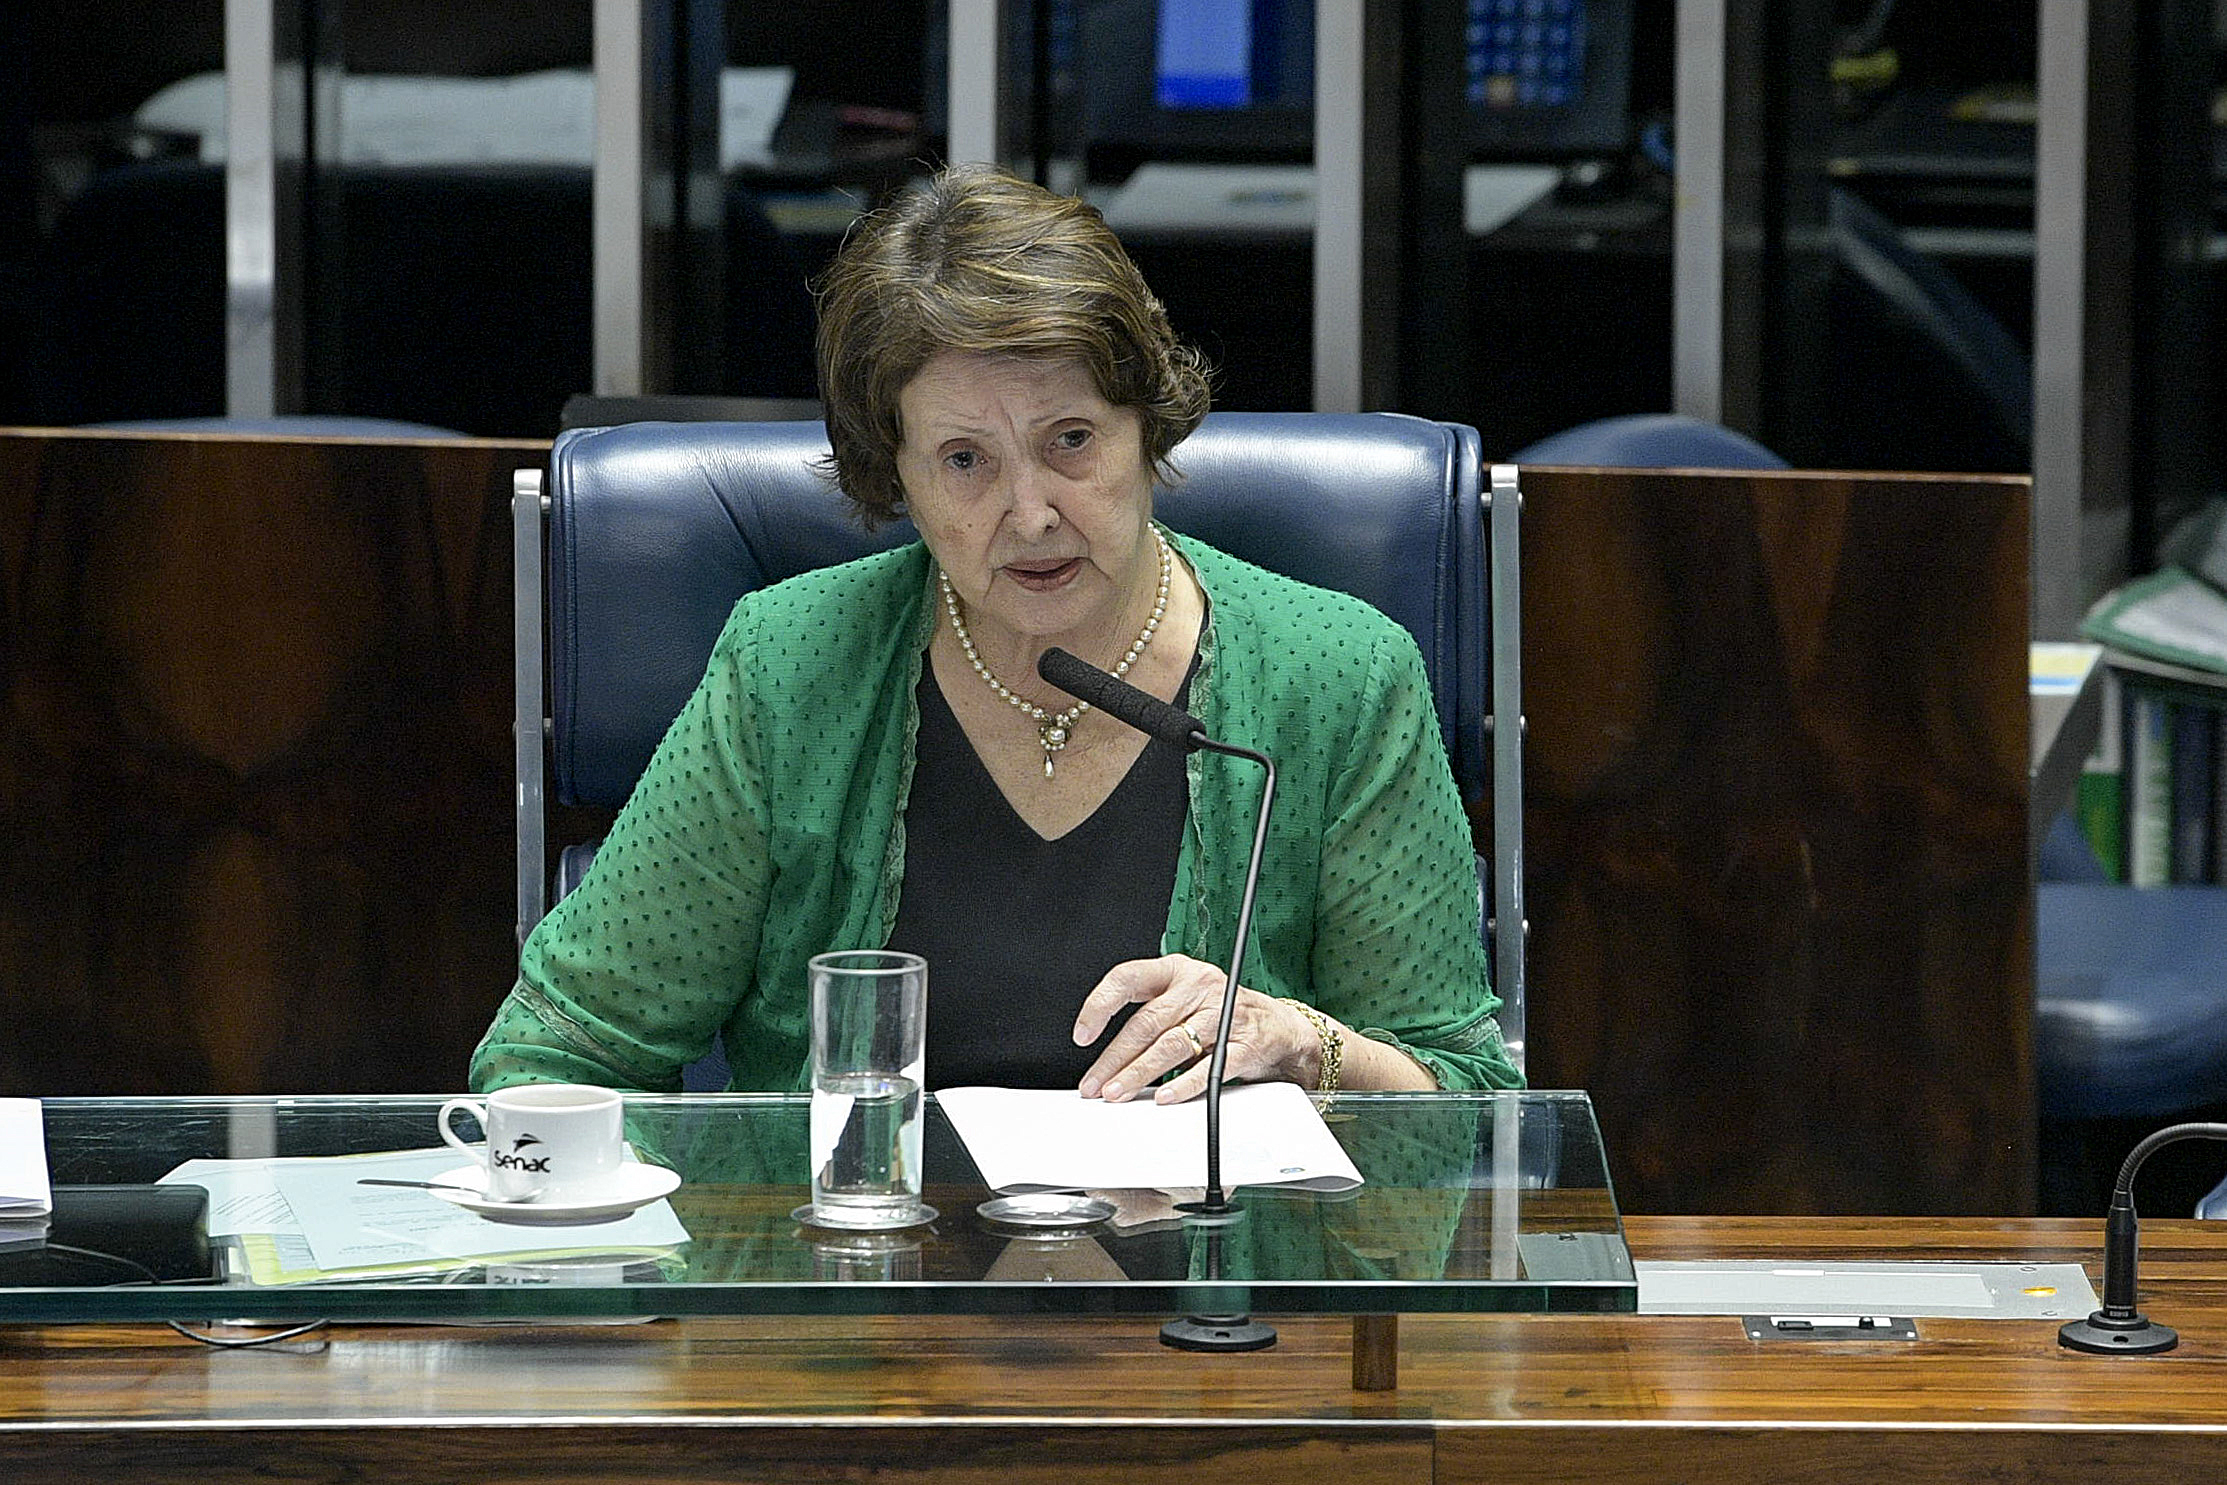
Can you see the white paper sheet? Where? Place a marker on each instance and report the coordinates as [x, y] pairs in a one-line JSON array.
[[23, 1161], [24, 1193], [242, 1196], [1271, 1135], [535, 118], [1176, 197], [1494, 195], [349, 1225]]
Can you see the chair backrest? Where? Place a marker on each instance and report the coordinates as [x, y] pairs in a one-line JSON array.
[[656, 529], [1651, 441], [653, 530]]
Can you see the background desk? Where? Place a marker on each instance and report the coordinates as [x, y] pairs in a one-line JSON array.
[[1646, 1399]]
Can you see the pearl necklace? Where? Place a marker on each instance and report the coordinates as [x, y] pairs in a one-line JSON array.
[[1052, 731]]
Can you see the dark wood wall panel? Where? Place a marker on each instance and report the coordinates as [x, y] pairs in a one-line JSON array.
[[1777, 834], [255, 797], [255, 800]]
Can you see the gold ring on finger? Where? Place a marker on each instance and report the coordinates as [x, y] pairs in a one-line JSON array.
[[1198, 1048]]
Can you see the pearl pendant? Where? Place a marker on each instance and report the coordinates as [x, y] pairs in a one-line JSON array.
[[1052, 732], [1053, 736]]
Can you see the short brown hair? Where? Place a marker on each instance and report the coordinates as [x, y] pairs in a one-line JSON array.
[[976, 260]]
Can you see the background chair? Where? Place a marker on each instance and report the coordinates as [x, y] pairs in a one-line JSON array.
[[2130, 1026], [1935, 379], [1650, 441], [646, 535]]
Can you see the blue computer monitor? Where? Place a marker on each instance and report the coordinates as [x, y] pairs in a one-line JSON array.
[[1234, 79], [1231, 55]]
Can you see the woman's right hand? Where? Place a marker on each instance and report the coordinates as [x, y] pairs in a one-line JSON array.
[[1179, 1008]]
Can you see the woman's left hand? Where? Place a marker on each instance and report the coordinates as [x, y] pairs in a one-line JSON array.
[[1179, 998]]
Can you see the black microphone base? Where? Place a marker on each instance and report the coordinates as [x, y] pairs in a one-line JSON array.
[[2108, 1335], [1217, 1333], [1209, 1213]]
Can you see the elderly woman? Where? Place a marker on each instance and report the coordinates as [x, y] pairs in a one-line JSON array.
[[871, 759]]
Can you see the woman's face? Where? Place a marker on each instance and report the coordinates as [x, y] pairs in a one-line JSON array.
[[1034, 494]]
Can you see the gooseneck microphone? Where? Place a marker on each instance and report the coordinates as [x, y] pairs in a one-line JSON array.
[[1156, 718], [1171, 724], [2119, 1328], [1125, 703]]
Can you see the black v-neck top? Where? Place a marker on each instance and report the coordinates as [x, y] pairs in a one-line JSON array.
[[1017, 929]]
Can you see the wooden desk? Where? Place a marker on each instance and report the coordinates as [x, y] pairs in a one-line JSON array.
[[1651, 1399]]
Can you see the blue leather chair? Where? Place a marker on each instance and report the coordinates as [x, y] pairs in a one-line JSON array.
[[2130, 1018], [646, 534], [1650, 441]]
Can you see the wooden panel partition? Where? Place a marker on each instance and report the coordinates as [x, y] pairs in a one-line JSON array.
[[1777, 834], [255, 794], [255, 799]]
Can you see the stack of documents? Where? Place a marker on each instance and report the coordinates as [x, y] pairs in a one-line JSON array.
[[26, 1200], [309, 1220]]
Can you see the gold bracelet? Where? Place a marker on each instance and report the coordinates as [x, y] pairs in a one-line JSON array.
[[1333, 1044]]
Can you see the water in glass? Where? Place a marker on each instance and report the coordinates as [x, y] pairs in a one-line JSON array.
[[870, 1124]]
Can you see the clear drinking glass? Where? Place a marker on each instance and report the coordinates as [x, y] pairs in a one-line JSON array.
[[869, 1055]]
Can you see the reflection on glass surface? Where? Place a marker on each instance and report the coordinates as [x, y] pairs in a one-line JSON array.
[[121, 312], [449, 246], [1462, 1194]]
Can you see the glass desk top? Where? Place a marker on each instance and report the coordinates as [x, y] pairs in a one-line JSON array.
[[1470, 1202]]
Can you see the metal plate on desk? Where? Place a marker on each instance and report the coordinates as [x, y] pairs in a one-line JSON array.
[[1828, 1328], [1986, 1291]]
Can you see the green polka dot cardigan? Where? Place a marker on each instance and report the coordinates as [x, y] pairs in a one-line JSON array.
[[769, 827]]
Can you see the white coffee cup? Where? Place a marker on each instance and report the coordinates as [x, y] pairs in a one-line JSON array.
[[545, 1141]]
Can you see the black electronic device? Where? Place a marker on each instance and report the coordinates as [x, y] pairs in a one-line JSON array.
[[1233, 80], [127, 1234]]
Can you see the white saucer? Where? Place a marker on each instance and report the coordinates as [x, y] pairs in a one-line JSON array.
[[632, 1186]]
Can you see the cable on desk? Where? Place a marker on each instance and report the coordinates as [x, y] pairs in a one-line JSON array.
[[141, 1276], [241, 1343], [137, 1272]]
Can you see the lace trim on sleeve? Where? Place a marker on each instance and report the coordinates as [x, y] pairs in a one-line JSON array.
[[576, 1039], [1481, 1035]]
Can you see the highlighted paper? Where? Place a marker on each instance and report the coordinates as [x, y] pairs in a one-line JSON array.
[[308, 1220], [1057, 1139], [2057, 669]]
